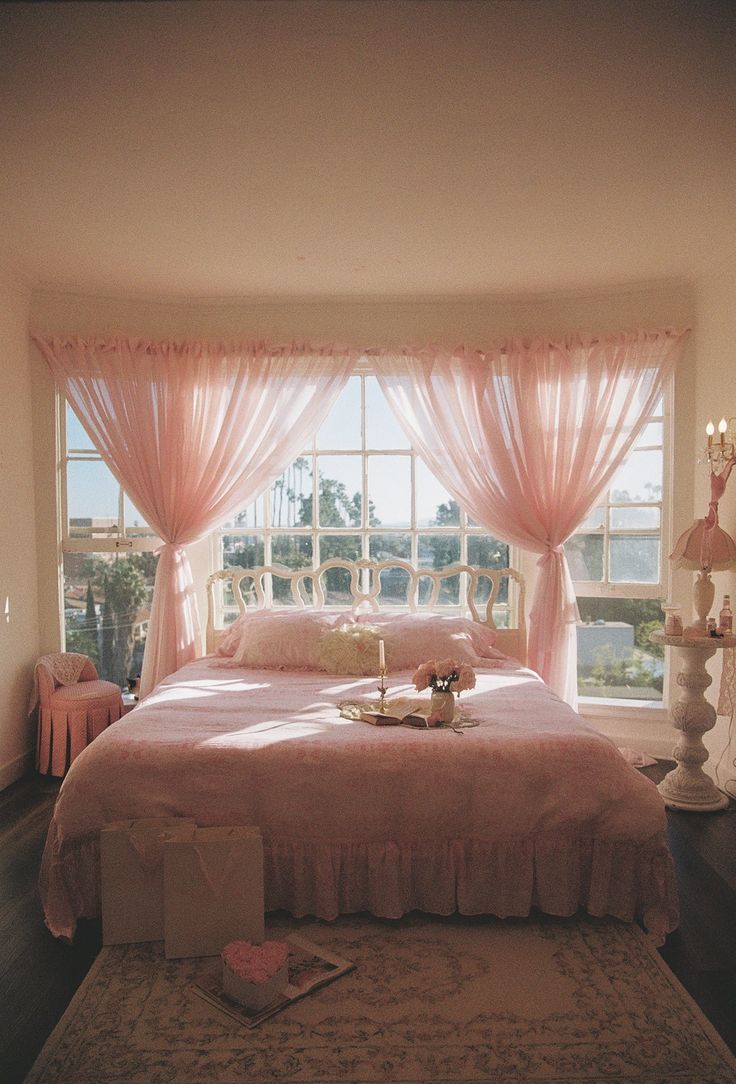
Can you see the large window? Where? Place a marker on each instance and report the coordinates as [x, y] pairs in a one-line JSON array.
[[617, 565], [358, 491]]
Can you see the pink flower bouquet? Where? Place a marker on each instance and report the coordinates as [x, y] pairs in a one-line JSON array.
[[444, 676]]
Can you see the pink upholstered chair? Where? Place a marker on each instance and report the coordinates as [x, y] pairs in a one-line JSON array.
[[75, 705]]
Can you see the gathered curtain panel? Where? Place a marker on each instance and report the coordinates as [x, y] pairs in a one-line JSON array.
[[527, 436], [193, 431]]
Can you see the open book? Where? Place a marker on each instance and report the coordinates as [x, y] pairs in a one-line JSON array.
[[310, 966], [398, 713]]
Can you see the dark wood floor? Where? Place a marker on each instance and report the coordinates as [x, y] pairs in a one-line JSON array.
[[39, 975]]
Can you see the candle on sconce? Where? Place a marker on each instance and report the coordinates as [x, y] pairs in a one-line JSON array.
[[381, 655], [722, 427], [710, 430]]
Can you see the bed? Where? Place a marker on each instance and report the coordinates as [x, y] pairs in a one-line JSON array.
[[524, 807]]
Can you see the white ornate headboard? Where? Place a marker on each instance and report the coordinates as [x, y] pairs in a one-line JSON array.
[[387, 586]]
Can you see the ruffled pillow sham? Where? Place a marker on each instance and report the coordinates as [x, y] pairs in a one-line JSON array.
[[285, 640], [230, 641], [411, 639]]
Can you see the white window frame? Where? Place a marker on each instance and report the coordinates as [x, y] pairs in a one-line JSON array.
[[603, 707]]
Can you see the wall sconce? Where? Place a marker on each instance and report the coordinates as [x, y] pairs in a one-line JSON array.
[[719, 452]]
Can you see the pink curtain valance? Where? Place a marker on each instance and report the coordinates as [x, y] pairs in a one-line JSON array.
[[192, 431], [526, 436]]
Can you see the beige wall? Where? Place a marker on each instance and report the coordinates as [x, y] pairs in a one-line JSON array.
[[19, 619], [716, 396], [366, 324]]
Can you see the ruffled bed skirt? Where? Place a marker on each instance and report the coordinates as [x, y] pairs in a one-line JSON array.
[[559, 876]]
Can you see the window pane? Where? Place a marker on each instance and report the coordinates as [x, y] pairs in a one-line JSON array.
[[639, 479], [341, 427], [293, 551], [107, 601], [242, 551], [652, 434], [615, 656], [291, 495], [340, 487], [394, 586], [384, 546], [76, 435], [585, 556], [595, 519], [435, 506], [438, 550], [347, 546], [336, 581], [389, 490], [487, 552], [134, 521], [382, 429], [634, 559], [252, 516], [93, 497], [631, 518]]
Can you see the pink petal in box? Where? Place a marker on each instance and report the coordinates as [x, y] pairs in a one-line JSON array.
[[253, 975]]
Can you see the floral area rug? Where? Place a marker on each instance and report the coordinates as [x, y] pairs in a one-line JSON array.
[[431, 1000]]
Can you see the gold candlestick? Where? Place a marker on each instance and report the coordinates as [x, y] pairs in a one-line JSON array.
[[382, 690]]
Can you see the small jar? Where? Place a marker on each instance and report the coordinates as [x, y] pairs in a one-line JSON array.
[[672, 621]]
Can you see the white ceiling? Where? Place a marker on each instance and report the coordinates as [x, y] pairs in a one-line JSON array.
[[311, 149]]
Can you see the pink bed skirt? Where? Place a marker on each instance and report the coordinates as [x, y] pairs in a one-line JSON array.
[[559, 876]]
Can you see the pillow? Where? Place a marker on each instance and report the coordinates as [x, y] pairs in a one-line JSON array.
[[228, 645], [352, 649], [411, 639], [285, 639]]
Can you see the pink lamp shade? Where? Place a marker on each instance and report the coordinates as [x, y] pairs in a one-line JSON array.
[[704, 547]]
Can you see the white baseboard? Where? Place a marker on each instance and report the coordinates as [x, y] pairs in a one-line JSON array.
[[17, 768]]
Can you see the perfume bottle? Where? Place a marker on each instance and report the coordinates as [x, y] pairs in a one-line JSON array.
[[725, 617]]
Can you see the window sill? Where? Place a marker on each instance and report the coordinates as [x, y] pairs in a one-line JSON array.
[[611, 706], [642, 725]]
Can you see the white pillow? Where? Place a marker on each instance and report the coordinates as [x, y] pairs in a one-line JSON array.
[[411, 639], [285, 639]]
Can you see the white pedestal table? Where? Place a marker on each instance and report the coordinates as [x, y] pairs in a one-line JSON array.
[[687, 786]]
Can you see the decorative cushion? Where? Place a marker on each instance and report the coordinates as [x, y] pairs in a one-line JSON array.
[[352, 649], [411, 639], [286, 640]]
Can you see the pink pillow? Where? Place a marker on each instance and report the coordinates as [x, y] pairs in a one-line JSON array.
[[411, 639], [286, 639], [230, 641]]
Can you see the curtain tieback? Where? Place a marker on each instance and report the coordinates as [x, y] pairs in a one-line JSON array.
[[549, 554]]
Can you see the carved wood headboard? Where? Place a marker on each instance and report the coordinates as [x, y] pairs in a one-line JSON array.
[[391, 586]]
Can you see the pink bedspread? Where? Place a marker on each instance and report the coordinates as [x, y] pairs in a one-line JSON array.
[[530, 808]]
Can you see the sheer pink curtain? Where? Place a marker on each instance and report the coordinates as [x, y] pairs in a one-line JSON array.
[[526, 437], [192, 431]]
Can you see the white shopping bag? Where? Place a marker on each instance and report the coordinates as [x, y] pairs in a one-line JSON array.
[[132, 876], [213, 891]]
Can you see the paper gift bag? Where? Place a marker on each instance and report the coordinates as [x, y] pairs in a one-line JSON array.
[[213, 891], [132, 876]]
